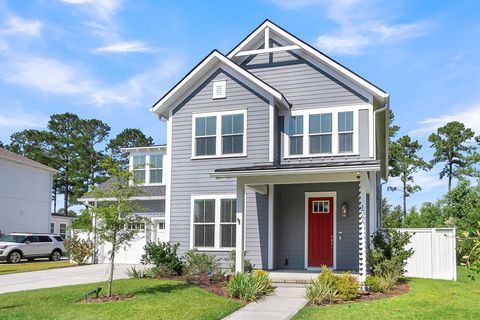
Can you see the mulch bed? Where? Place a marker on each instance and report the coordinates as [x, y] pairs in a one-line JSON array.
[[117, 297], [399, 290], [201, 281]]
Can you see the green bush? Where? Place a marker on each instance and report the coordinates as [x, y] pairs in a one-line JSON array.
[[328, 276], [162, 270], [78, 249], [163, 255], [320, 291], [249, 286], [380, 284], [347, 286], [389, 255], [247, 265], [198, 263], [134, 273]]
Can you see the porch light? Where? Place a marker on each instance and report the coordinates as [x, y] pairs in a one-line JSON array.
[[344, 210]]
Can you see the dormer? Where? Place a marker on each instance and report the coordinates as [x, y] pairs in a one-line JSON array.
[[148, 164]]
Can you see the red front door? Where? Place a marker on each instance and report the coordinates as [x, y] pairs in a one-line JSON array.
[[320, 231]]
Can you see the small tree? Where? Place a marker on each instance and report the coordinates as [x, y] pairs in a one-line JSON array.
[[79, 249], [118, 222], [472, 259]]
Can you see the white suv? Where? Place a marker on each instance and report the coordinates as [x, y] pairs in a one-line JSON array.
[[17, 246]]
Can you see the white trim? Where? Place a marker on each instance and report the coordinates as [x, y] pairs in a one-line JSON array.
[[168, 182], [144, 149], [214, 58], [321, 194], [267, 38], [218, 134], [217, 198], [271, 132], [371, 133], [335, 145], [271, 217], [269, 50], [308, 49]]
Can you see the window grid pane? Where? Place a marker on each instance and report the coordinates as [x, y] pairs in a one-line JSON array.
[[206, 146], [205, 126], [138, 162], [321, 143], [320, 123], [296, 125], [345, 121], [156, 161], [232, 134], [156, 175], [345, 142], [296, 145], [139, 176]]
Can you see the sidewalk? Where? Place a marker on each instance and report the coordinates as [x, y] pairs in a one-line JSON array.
[[284, 303]]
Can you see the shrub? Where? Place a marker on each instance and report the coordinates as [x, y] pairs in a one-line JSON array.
[[347, 286], [135, 273], [320, 291], [388, 257], [198, 263], [249, 286], [328, 276], [162, 270], [379, 284], [79, 249], [247, 265], [163, 254]]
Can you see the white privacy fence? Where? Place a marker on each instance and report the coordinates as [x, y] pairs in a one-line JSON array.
[[434, 255]]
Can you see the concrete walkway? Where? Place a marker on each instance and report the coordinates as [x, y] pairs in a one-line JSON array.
[[284, 303], [59, 277]]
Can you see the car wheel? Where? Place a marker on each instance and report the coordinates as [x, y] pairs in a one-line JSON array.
[[56, 255], [14, 257]]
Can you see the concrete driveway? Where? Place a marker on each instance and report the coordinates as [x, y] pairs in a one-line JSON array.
[[59, 277]]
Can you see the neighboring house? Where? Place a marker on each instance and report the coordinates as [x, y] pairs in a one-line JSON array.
[[147, 164], [25, 194], [276, 151], [60, 224]]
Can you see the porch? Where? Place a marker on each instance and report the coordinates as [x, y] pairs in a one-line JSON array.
[[301, 276], [297, 221]]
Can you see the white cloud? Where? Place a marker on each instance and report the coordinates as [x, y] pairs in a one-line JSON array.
[[360, 24], [55, 77], [125, 47], [103, 9], [16, 25], [469, 116], [427, 180], [19, 119]]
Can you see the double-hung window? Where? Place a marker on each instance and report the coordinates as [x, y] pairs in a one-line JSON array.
[[139, 168], [320, 130], [205, 136], [345, 131], [219, 134], [214, 222], [204, 223], [296, 135], [232, 133], [228, 228], [156, 168]]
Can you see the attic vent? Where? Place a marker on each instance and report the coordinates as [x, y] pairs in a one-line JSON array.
[[219, 89]]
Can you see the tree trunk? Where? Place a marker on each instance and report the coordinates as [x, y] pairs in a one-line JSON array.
[[112, 265], [450, 176], [404, 200]]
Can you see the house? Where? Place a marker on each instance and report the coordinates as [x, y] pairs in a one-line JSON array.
[[148, 166], [60, 224], [274, 150], [25, 194]]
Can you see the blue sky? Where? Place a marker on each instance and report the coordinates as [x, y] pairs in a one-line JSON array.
[[113, 59]]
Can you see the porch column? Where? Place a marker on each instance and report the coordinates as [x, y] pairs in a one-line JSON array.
[[362, 229], [270, 225], [240, 248]]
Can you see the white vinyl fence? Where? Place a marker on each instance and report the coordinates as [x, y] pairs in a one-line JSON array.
[[434, 255]]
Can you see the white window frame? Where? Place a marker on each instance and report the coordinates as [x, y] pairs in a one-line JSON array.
[[147, 167], [216, 83], [306, 132], [218, 198], [319, 134], [296, 136], [218, 134]]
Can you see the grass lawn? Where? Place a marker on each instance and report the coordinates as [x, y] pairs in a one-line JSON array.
[[6, 268], [427, 299], [152, 299]]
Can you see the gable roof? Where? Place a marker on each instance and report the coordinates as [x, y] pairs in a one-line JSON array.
[[256, 34], [11, 156], [211, 60]]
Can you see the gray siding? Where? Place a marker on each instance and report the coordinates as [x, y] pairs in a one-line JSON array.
[[257, 229], [363, 133], [191, 177], [303, 84], [289, 220]]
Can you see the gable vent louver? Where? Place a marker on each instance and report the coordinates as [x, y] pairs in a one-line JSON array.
[[219, 89]]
